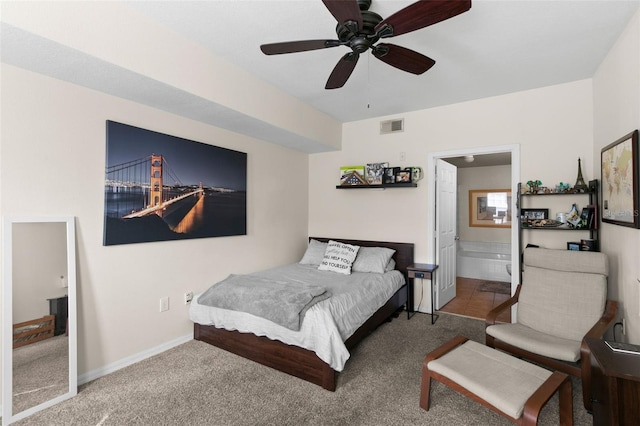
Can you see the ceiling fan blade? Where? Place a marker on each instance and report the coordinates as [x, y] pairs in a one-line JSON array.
[[422, 14], [345, 11], [297, 46], [342, 71], [403, 58]]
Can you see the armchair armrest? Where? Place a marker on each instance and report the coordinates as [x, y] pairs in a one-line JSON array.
[[597, 331], [610, 311], [493, 314]]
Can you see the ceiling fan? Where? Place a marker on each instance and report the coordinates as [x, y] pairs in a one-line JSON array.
[[359, 29]]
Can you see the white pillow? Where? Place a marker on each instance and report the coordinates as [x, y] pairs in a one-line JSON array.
[[372, 259], [339, 257], [391, 266], [315, 253]]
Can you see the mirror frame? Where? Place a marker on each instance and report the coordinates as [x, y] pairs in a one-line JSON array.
[[7, 316]]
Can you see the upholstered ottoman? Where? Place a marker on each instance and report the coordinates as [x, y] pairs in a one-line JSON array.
[[509, 386]]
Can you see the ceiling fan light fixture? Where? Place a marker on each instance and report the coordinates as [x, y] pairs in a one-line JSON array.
[[469, 158]]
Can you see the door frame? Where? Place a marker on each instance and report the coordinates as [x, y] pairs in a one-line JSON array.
[[432, 255]]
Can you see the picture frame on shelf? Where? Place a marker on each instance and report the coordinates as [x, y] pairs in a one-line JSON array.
[[389, 176], [573, 246], [620, 181], [534, 214], [352, 176], [403, 176], [490, 208], [374, 173]]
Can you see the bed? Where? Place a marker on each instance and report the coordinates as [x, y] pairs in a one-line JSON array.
[[300, 361], [35, 330]]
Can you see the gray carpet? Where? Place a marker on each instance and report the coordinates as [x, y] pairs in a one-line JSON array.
[[40, 372], [197, 384]]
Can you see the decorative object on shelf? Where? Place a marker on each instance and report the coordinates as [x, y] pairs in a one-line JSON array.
[[352, 175], [562, 217], [620, 180], [375, 172], [587, 216], [562, 187], [573, 218], [390, 174], [416, 174], [580, 186], [490, 208], [534, 186], [573, 246]]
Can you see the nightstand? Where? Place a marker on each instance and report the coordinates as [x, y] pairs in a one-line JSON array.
[[423, 271]]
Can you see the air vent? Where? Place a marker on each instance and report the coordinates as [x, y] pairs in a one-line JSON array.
[[391, 126]]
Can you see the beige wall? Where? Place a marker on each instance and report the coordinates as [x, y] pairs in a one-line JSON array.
[[616, 113], [552, 125], [52, 164]]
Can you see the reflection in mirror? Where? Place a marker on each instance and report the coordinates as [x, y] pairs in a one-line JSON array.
[[39, 362]]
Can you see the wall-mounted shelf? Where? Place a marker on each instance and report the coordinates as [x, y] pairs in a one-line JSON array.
[[384, 185]]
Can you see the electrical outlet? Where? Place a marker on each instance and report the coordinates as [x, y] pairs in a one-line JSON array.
[[403, 156], [188, 297], [164, 304]]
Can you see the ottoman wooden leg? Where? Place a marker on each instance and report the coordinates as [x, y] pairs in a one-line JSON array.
[[425, 387], [557, 382]]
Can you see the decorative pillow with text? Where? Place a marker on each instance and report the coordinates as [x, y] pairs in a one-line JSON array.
[[339, 257]]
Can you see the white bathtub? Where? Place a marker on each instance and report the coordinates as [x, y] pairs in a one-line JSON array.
[[484, 261]]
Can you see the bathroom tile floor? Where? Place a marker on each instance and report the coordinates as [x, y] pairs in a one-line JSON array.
[[471, 302]]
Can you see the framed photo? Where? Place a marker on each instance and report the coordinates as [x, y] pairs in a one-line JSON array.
[[534, 214], [619, 162], [573, 246], [374, 172], [390, 174], [490, 208], [403, 176]]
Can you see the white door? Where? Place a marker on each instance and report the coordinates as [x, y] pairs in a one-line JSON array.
[[446, 235]]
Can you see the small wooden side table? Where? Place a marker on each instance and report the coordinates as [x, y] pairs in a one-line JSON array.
[[615, 384], [422, 271]]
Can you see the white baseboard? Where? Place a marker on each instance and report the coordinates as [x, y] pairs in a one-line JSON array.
[[115, 366]]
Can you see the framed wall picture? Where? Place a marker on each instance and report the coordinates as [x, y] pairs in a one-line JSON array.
[[490, 208], [160, 187], [619, 162]]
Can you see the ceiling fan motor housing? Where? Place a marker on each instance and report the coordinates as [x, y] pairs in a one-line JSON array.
[[363, 40]]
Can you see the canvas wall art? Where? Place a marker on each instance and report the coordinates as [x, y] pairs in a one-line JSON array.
[[160, 187]]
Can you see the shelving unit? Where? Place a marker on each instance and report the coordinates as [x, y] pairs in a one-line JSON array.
[[592, 194], [384, 185]]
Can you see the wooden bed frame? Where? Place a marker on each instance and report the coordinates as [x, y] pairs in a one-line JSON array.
[[35, 330], [301, 362]]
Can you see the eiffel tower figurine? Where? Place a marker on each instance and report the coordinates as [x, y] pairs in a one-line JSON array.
[[580, 186]]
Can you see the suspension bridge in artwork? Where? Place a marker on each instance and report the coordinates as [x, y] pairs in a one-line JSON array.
[[142, 189]]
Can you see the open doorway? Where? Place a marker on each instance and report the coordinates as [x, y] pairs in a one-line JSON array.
[[482, 168]]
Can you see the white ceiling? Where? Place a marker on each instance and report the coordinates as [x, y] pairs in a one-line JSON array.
[[497, 47]]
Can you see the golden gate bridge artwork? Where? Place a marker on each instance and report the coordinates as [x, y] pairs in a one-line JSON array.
[[145, 200]]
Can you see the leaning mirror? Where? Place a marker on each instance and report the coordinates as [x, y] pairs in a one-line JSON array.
[[39, 335]]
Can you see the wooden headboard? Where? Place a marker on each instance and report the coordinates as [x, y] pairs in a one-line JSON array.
[[403, 255]]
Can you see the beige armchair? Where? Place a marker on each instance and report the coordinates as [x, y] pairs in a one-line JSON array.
[[562, 299]]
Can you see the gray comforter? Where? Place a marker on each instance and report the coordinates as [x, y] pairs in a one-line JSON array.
[[281, 302]]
